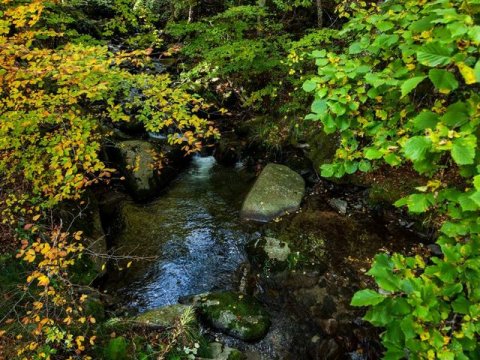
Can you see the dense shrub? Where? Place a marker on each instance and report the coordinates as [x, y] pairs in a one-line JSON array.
[[405, 91]]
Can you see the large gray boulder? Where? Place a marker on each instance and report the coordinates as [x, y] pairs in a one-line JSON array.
[[278, 190]]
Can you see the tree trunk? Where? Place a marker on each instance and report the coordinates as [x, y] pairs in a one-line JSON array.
[[319, 13]]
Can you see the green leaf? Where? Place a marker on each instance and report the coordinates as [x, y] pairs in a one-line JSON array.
[[328, 170], [463, 150], [425, 120], [477, 71], [393, 159], [384, 25], [456, 115], [319, 106], [309, 85], [411, 84], [373, 154], [418, 203], [416, 147], [329, 124], [434, 54], [367, 297], [476, 197], [355, 48], [467, 203], [443, 80], [476, 182], [365, 166], [350, 167], [446, 355], [461, 305]]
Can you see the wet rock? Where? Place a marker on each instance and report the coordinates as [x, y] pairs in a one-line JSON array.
[[435, 249], [227, 152], [293, 280], [328, 326], [235, 314], [277, 191], [268, 252], [160, 318], [245, 279], [165, 317], [137, 160], [339, 205], [222, 352], [323, 349]]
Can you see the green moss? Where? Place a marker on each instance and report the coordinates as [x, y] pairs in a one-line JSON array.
[[116, 349], [322, 148], [236, 355], [238, 315], [390, 190], [84, 271], [94, 307], [164, 316]]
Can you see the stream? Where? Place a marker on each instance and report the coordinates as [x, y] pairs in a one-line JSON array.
[[193, 230], [190, 240]]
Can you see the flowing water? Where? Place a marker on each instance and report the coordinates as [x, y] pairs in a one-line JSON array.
[[194, 232], [190, 240]]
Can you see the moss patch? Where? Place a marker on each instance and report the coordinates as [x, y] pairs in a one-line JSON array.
[[238, 315]]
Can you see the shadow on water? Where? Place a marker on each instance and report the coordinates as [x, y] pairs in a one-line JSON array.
[[193, 230]]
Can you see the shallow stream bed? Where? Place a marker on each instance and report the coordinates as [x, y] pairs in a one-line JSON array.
[[193, 230], [191, 240]]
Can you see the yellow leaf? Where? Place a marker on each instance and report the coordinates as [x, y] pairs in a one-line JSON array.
[[129, 264], [36, 217], [29, 256], [468, 73], [43, 280], [92, 340]]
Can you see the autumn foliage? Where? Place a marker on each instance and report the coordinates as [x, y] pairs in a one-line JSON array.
[[57, 105]]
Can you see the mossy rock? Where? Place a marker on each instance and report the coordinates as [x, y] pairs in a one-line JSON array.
[[137, 161], [277, 191], [268, 252], [116, 349], [235, 314], [163, 317], [322, 148], [95, 307]]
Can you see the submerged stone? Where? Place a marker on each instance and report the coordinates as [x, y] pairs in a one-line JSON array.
[[235, 314], [277, 191], [223, 352], [268, 252]]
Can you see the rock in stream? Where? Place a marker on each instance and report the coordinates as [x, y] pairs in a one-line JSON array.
[[235, 314], [277, 191]]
